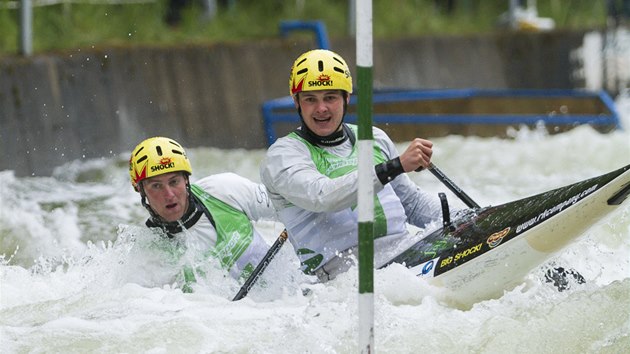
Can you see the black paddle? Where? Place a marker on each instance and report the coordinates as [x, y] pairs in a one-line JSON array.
[[273, 250], [450, 185]]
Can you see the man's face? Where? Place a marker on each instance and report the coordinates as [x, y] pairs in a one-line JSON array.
[[167, 195], [322, 111]]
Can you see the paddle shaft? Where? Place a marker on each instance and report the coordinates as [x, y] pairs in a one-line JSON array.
[[273, 250], [452, 186]]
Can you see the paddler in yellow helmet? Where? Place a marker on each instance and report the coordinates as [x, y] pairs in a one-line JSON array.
[[214, 214], [311, 174]]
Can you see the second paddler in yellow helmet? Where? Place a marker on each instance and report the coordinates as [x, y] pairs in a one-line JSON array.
[[312, 179], [213, 215]]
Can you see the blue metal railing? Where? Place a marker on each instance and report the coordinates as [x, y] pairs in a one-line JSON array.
[[282, 110], [316, 26]]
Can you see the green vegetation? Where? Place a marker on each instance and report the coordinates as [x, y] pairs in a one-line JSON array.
[[84, 25]]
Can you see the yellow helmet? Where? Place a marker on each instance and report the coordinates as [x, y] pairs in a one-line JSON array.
[[157, 156], [319, 69]]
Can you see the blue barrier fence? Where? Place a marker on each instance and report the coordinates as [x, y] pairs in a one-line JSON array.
[[317, 27], [282, 110]]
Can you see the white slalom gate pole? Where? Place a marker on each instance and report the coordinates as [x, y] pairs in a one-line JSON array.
[[365, 199]]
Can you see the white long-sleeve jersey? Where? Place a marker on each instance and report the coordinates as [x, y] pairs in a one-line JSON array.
[[241, 246], [319, 211]]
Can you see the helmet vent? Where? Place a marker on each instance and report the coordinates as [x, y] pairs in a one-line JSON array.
[[320, 65], [142, 159], [159, 150], [302, 71], [340, 70], [338, 61], [177, 152]]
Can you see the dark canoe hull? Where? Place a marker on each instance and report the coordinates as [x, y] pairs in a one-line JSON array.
[[490, 250]]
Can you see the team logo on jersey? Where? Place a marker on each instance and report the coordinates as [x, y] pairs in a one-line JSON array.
[[495, 239]]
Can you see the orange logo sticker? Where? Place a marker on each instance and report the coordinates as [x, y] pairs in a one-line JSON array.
[[323, 77], [495, 239]]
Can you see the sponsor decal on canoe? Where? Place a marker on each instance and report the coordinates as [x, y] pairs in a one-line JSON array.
[[461, 256], [425, 269], [495, 239], [554, 210], [428, 266]]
